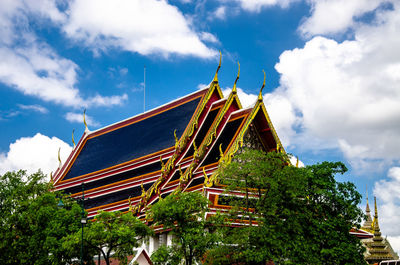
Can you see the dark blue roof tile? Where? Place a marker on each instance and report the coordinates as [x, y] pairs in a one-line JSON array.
[[133, 141]]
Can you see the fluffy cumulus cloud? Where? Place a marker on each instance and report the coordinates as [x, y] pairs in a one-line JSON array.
[[387, 193], [279, 109], [257, 5], [246, 99], [30, 65], [326, 16], [333, 16], [34, 68], [142, 26], [34, 153], [347, 93], [78, 117]]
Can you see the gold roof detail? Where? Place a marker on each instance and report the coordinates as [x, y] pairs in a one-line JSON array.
[[377, 248], [219, 66]]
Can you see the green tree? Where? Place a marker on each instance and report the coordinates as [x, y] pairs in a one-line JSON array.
[[289, 215], [31, 223], [113, 234], [184, 214]]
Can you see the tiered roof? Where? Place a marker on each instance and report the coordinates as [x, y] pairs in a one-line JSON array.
[[378, 249], [178, 146]]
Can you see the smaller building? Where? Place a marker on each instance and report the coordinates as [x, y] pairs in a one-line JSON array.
[[377, 248]]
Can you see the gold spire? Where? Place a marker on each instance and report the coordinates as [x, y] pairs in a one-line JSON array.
[[73, 141], [219, 66], [51, 177], [377, 248], [59, 159], [368, 224], [260, 98], [367, 208], [376, 224], [297, 161], [234, 90], [84, 121]]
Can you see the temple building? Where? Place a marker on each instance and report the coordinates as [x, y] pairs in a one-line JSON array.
[[129, 165], [377, 248], [179, 146]]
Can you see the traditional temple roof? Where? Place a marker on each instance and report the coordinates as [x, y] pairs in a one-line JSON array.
[[378, 249], [178, 146]]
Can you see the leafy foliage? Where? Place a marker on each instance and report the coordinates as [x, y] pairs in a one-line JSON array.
[[300, 215], [113, 234], [166, 255], [184, 214], [31, 224]]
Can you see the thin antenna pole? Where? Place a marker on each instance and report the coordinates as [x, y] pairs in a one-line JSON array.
[[144, 89]]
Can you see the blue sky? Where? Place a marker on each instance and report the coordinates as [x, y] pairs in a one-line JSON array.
[[333, 75]]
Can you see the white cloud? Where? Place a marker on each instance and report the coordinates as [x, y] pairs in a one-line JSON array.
[[40, 72], [220, 12], [78, 117], [333, 16], [208, 37], [395, 243], [202, 86], [123, 71], [33, 153], [346, 94], [387, 193], [279, 109], [247, 100], [257, 5], [295, 161], [31, 66], [184, 1], [36, 108], [142, 26], [13, 13], [282, 115]]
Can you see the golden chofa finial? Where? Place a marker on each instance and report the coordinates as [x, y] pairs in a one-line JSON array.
[[219, 66], [176, 139], [59, 159], [51, 177], [234, 90], [73, 141], [260, 97], [84, 121], [221, 153]]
